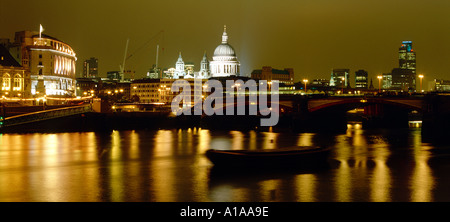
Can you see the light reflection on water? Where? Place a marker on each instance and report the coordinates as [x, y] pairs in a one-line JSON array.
[[169, 165]]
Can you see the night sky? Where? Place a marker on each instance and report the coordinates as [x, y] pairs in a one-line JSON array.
[[311, 36]]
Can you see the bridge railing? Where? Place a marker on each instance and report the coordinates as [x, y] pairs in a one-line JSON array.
[[45, 115]]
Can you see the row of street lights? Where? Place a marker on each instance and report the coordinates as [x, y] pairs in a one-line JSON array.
[[381, 77], [379, 83]]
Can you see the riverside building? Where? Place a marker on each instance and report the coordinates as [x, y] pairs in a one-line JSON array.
[[50, 61], [269, 74], [14, 79]]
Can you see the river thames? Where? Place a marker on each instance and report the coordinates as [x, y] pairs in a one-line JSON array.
[[170, 166]]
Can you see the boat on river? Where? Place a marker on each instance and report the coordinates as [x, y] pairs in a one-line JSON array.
[[283, 157]]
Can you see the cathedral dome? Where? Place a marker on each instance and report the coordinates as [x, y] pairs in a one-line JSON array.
[[224, 50], [224, 61]]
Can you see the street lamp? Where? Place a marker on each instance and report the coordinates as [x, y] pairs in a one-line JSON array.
[[343, 83], [379, 83], [421, 77], [305, 81]]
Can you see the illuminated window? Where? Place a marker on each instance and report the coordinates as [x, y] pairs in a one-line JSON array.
[[17, 82], [6, 85]]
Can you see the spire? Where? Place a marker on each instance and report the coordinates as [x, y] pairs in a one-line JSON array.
[[204, 60], [224, 35], [179, 67], [204, 65]]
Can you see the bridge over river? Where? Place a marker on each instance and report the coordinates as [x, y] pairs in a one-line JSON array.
[[304, 113], [328, 113], [35, 117]]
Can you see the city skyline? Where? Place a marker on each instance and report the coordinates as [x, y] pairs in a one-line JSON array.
[[312, 37], [237, 101]]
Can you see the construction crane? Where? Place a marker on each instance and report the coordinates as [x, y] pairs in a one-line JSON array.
[[122, 67], [125, 58]]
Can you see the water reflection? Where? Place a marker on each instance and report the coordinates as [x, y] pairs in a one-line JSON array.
[[422, 180], [306, 184], [169, 165], [305, 139], [380, 179]]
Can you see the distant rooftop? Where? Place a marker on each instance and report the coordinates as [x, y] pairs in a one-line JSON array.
[[47, 36], [274, 71], [146, 80], [6, 59]]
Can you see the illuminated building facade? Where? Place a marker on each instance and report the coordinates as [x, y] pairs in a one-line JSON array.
[[407, 56], [320, 83], [269, 74], [15, 80], [159, 90], [90, 68], [225, 62], [179, 68], [361, 79], [146, 90], [204, 68], [441, 85], [50, 61], [340, 77], [169, 73], [387, 80], [154, 72], [189, 69], [407, 61]]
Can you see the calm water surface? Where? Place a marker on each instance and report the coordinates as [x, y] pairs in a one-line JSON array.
[[169, 166]]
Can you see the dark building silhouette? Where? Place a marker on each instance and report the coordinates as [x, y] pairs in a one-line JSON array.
[[403, 79], [285, 76], [90, 68], [361, 79], [113, 75]]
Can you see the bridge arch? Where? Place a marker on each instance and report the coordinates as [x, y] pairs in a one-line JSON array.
[[331, 113], [353, 103]]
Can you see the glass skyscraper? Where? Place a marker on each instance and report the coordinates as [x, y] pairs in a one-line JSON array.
[[407, 60]]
